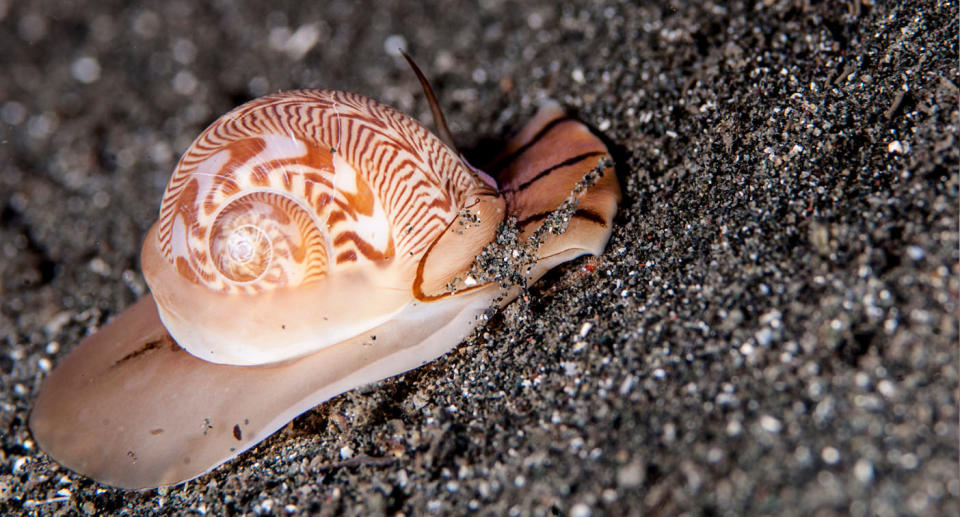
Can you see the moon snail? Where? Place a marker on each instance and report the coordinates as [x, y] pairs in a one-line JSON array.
[[309, 242]]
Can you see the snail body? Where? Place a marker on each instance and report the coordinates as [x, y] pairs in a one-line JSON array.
[[309, 242]]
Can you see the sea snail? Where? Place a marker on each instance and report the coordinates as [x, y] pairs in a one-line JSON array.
[[309, 242]]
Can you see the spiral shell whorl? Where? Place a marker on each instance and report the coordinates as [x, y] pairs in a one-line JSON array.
[[261, 236], [287, 188]]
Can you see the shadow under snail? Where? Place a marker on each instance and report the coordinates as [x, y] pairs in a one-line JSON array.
[[309, 242]]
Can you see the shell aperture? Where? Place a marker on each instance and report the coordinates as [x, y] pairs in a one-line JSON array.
[[295, 228]]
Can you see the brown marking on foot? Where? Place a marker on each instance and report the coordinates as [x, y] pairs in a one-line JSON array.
[[146, 347]]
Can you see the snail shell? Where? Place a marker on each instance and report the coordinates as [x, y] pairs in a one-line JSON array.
[[306, 245], [299, 220]]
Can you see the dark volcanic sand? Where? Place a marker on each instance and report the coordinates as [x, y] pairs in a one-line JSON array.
[[772, 330]]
